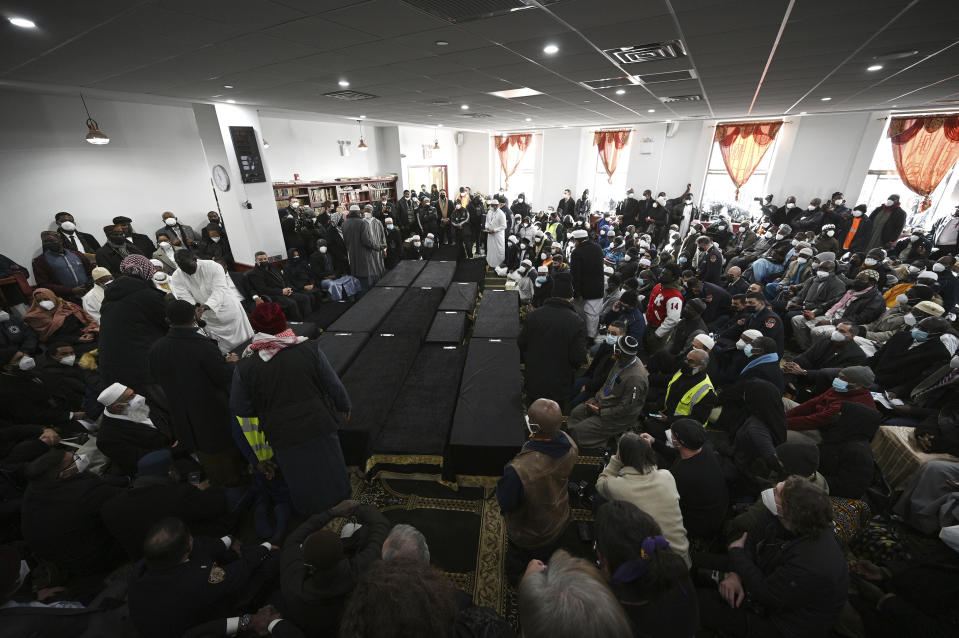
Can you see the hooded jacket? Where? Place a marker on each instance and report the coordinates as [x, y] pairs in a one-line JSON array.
[[845, 454], [132, 319]]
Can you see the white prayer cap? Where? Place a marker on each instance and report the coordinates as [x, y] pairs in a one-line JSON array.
[[752, 334], [527, 263], [579, 233], [112, 394], [928, 274], [354, 207], [706, 340], [415, 238], [389, 220], [430, 236], [543, 270]]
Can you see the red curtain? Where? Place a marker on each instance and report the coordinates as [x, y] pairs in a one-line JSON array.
[[511, 149], [743, 146], [610, 143], [924, 148]]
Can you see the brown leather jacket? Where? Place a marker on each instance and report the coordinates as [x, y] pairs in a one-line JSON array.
[[543, 516]]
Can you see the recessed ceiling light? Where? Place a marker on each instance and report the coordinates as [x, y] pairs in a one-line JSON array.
[[825, 99], [441, 43], [464, 107], [550, 49], [874, 67], [23, 23], [529, 119], [620, 91], [344, 83], [565, 125], [650, 110], [227, 86], [511, 93], [802, 113], [585, 101], [231, 101], [440, 125]]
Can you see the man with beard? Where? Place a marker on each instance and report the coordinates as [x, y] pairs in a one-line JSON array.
[[444, 208], [139, 240], [127, 430], [116, 249], [72, 238], [405, 208]]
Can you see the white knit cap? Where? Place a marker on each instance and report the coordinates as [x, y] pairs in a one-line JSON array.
[[354, 207], [752, 334], [112, 394], [706, 340]]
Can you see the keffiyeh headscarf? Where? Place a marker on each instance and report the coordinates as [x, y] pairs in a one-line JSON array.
[[137, 266]]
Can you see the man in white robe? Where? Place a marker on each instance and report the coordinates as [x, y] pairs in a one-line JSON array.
[[94, 298], [496, 235], [377, 236], [204, 283]]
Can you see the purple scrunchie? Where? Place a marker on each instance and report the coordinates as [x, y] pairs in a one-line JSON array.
[[633, 570]]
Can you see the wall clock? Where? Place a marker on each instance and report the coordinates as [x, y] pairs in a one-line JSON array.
[[221, 178]]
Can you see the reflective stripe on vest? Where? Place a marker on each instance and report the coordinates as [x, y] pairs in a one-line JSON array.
[[692, 396], [255, 437]]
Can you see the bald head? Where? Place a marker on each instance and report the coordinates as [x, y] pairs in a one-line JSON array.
[[547, 415], [701, 357], [735, 272]]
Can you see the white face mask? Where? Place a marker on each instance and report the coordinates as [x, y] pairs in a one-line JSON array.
[[801, 260], [631, 195], [910, 319], [857, 213], [830, 233], [902, 300], [837, 336], [68, 227], [628, 258], [839, 202], [520, 200], [869, 261], [417, 244], [27, 363], [889, 203], [937, 267], [769, 500], [669, 439], [661, 200], [4, 316], [46, 304], [822, 274], [954, 362], [294, 204], [790, 205], [810, 207], [794, 242], [170, 221], [136, 404], [164, 245], [543, 256], [215, 240], [323, 250], [69, 360]]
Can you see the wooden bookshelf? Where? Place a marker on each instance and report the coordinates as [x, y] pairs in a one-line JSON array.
[[340, 191]]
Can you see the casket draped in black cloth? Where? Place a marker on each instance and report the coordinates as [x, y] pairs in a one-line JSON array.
[[417, 427], [461, 295], [373, 381], [488, 426], [402, 274], [413, 313], [328, 312], [449, 326], [437, 274], [445, 253], [368, 313], [498, 315], [471, 270], [341, 348]]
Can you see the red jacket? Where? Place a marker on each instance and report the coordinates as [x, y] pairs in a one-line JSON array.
[[658, 304], [819, 411]]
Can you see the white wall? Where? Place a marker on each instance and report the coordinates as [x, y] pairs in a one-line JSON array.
[[310, 148], [475, 157], [559, 165], [412, 140], [154, 162]]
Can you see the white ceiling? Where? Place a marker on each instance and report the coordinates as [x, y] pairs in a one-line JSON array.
[[285, 54]]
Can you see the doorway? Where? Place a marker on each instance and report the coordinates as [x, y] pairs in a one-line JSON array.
[[429, 175]]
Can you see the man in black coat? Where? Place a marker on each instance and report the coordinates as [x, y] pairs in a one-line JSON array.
[[117, 248], [27, 398], [718, 301], [144, 243], [845, 454], [839, 351], [72, 238], [128, 431], [267, 280], [710, 265], [567, 205], [159, 492], [405, 208], [765, 320], [586, 268], [60, 514], [887, 222], [553, 345], [190, 367], [630, 209]]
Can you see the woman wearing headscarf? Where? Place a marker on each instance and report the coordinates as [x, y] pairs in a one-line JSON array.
[[755, 441], [56, 319]]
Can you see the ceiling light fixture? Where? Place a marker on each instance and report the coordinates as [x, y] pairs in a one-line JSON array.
[[95, 136], [874, 67], [550, 49], [344, 83], [441, 43], [464, 107], [23, 23], [802, 113], [529, 119], [362, 145], [440, 125], [511, 93], [227, 86], [650, 110], [231, 101], [825, 99], [436, 140], [620, 91], [362, 117]]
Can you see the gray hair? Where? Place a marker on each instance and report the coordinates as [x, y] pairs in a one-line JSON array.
[[570, 598], [405, 541]]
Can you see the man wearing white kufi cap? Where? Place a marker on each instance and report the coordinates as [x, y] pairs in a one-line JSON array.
[[127, 431]]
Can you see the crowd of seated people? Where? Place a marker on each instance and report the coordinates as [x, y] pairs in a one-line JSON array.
[[156, 406]]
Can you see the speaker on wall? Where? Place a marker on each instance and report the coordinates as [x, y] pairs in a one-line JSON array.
[[460, 139]]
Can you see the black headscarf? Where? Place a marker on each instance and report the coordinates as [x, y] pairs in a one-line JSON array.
[[765, 402]]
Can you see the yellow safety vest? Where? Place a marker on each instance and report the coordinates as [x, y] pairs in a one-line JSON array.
[[692, 396], [255, 437], [552, 228]]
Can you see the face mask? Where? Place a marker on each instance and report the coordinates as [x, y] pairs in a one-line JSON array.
[[628, 258], [768, 235], [822, 274], [937, 267], [869, 261], [323, 250], [889, 203], [810, 207], [429, 243], [164, 244], [520, 200], [170, 221], [830, 233], [801, 260], [523, 245], [839, 202], [417, 244], [69, 360], [839, 385], [857, 213], [790, 205], [914, 238], [543, 256], [215, 240], [954, 362], [82, 461], [683, 260], [740, 344], [909, 319], [27, 363], [631, 195], [68, 227], [837, 336], [794, 242], [769, 500], [611, 339], [541, 279], [46, 304], [262, 264], [4, 316], [919, 335], [748, 350], [661, 200]]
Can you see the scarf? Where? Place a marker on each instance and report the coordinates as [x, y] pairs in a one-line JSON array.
[[765, 358], [267, 345], [443, 205], [840, 307], [46, 322]]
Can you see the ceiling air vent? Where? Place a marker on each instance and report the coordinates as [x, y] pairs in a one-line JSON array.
[[349, 96], [475, 116], [460, 11], [648, 52], [681, 98], [610, 83], [668, 76]]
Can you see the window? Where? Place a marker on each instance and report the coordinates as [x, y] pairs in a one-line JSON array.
[[523, 179], [605, 195], [882, 180], [719, 192]]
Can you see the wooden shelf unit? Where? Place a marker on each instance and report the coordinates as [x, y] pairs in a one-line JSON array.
[[344, 191]]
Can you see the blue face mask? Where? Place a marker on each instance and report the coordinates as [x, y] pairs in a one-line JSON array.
[[839, 385], [611, 339], [920, 335], [641, 282], [683, 260], [541, 279], [748, 350]]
